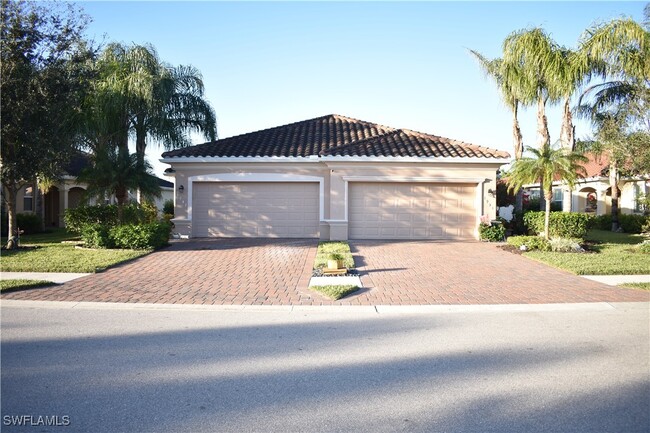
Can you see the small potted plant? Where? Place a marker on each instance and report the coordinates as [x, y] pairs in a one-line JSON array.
[[335, 261]]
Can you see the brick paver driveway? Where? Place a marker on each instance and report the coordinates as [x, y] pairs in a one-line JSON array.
[[434, 272], [200, 271], [276, 272]]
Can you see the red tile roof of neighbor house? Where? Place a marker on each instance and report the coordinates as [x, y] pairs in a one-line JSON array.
[[335, 135], [596, 166]]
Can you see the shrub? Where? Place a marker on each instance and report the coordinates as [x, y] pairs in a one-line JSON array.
[[565, 245], [561, 224], [531, 242], [96, 236], [629, 223], [491, 233], [29, 223], [646, 227], [143, 213], [141, 236], [78, 218], [168, 207], [633, 223]]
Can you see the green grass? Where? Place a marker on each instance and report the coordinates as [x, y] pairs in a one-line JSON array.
[[50, 255], [642, 286], [615, 255], [335, 291], [327, 248], [7, 285]]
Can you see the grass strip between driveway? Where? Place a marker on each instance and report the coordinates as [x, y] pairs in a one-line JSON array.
[[335, 291], [44, 252], [329, 247], [11, 285], [615, 255]]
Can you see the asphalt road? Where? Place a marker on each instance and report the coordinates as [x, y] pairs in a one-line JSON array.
[[570, 368]]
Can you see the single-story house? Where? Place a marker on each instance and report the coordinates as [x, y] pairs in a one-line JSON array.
[[334, 178], [593, 194], [69, 193]]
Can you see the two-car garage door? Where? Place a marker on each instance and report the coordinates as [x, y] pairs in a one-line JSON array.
[[375, 210], [256, 209], [411, 211]]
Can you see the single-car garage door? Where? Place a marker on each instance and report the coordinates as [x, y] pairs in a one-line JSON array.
[[411, 211], [255, 209]]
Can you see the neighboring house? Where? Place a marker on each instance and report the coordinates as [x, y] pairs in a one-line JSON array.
[[69, 193], [335, 178], [592, 194]]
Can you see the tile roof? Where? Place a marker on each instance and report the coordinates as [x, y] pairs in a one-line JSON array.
[[335, 135]]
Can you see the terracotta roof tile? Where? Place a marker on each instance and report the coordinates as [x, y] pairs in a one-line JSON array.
[[336, 135]]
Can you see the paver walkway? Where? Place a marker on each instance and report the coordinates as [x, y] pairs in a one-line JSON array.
[[276, 272]]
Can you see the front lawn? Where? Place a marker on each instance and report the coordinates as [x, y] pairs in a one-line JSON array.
[[615, 255], [7, 285], [46, 253], [327, 248]]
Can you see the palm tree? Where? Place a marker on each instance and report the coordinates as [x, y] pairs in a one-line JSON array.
[[177, 107], [508, 80], [115, 172], [545, 166], [620, 106], [539, 57]]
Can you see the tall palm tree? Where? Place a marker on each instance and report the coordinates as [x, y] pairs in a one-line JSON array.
[[176, 108], [538, 56], [508, 78], [545, 166]]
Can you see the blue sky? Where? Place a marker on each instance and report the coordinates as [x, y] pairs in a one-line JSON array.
[[403, 65]]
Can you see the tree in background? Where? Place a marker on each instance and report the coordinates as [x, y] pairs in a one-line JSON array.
[[619, 108], [44, 78], [137, 95]]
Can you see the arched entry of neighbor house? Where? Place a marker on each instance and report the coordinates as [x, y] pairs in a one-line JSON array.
[[51, 207], [587, 200], [75, 196]]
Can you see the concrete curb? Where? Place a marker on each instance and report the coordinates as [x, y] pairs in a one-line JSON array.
[[361, 309], [55, 277]]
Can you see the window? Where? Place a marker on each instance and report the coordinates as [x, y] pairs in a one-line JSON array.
[[28, 199]]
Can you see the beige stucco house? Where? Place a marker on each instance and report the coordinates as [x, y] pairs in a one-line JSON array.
[[69, 193], [335, 178], [592, 194]]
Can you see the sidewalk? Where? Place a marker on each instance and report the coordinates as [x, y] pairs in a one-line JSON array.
[[615, 280], [55, 277]]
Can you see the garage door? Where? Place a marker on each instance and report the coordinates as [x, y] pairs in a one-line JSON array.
[[411, 211], [251, 209]]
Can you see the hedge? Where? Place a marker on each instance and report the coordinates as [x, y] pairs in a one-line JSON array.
[[129, 236], [76, 219], [141, 236], [630, 223], [561, 224]]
